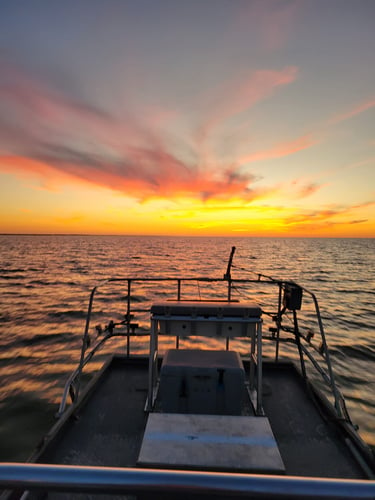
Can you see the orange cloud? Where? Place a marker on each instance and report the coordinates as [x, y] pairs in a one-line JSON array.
[[138, 180], [331, 216], [57, 138], [60, 138]]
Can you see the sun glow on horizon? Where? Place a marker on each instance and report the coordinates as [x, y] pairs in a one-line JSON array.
[[84, 209], [231, 125]]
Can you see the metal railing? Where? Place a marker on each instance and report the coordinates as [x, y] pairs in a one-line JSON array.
[[327, 374], [109, 480], [175, 286], [73, 383]]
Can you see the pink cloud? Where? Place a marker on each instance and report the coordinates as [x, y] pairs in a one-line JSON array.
[[280, 150], [278, 24], [27, 95], [360, 108], [137, 180], [271, 22], [241, 94], [56, 137]]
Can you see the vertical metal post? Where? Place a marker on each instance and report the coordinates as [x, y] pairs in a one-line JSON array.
[[327, 357], [128, 320], [152, 363], [227, 275], [229, 289], [252, 360], [259, 369], [278, 324], [84, 341], [298, 341], [178, 298]]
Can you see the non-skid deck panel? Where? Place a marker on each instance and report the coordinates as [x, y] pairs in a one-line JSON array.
[[108, 430], [309, 443]]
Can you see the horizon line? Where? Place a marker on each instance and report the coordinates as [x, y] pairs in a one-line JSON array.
[[191, 236]]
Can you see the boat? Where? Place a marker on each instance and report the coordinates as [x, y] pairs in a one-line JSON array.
[[232, 397]]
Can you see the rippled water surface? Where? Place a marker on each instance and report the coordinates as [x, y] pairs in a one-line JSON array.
[[45, 283]]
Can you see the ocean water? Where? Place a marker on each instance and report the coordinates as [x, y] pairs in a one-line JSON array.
[[45, 281]]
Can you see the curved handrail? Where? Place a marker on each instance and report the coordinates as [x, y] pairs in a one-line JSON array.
[[78, 371], [75, 378], [330, 379], [76, 375]]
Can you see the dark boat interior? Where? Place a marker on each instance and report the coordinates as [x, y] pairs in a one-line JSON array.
[[108, 426], [186, 422]]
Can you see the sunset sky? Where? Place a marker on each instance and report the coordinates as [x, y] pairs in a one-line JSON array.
[[198, 117]]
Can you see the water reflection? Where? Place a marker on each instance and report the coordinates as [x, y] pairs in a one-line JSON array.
[[45, 283]]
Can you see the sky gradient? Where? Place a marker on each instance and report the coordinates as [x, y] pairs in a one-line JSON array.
[[215, 117]]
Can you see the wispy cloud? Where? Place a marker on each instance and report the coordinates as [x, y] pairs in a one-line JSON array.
[[336, 215], [359, 221], [278, 23], [306, 189], [272, 22], [55, 136], [356, 110], [280, 150], [242, 93]]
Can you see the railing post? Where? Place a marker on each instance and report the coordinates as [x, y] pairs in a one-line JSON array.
[[327, 357], [84, 340], [298, 341], [178, 298], [128, 319], [278, 323]]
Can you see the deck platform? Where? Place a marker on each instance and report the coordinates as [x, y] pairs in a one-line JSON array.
[[108, 428], [210, 442]]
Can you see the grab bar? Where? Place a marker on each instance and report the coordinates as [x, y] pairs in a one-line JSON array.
[[151, 481]]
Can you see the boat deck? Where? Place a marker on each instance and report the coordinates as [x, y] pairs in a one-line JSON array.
[[108, 428]]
